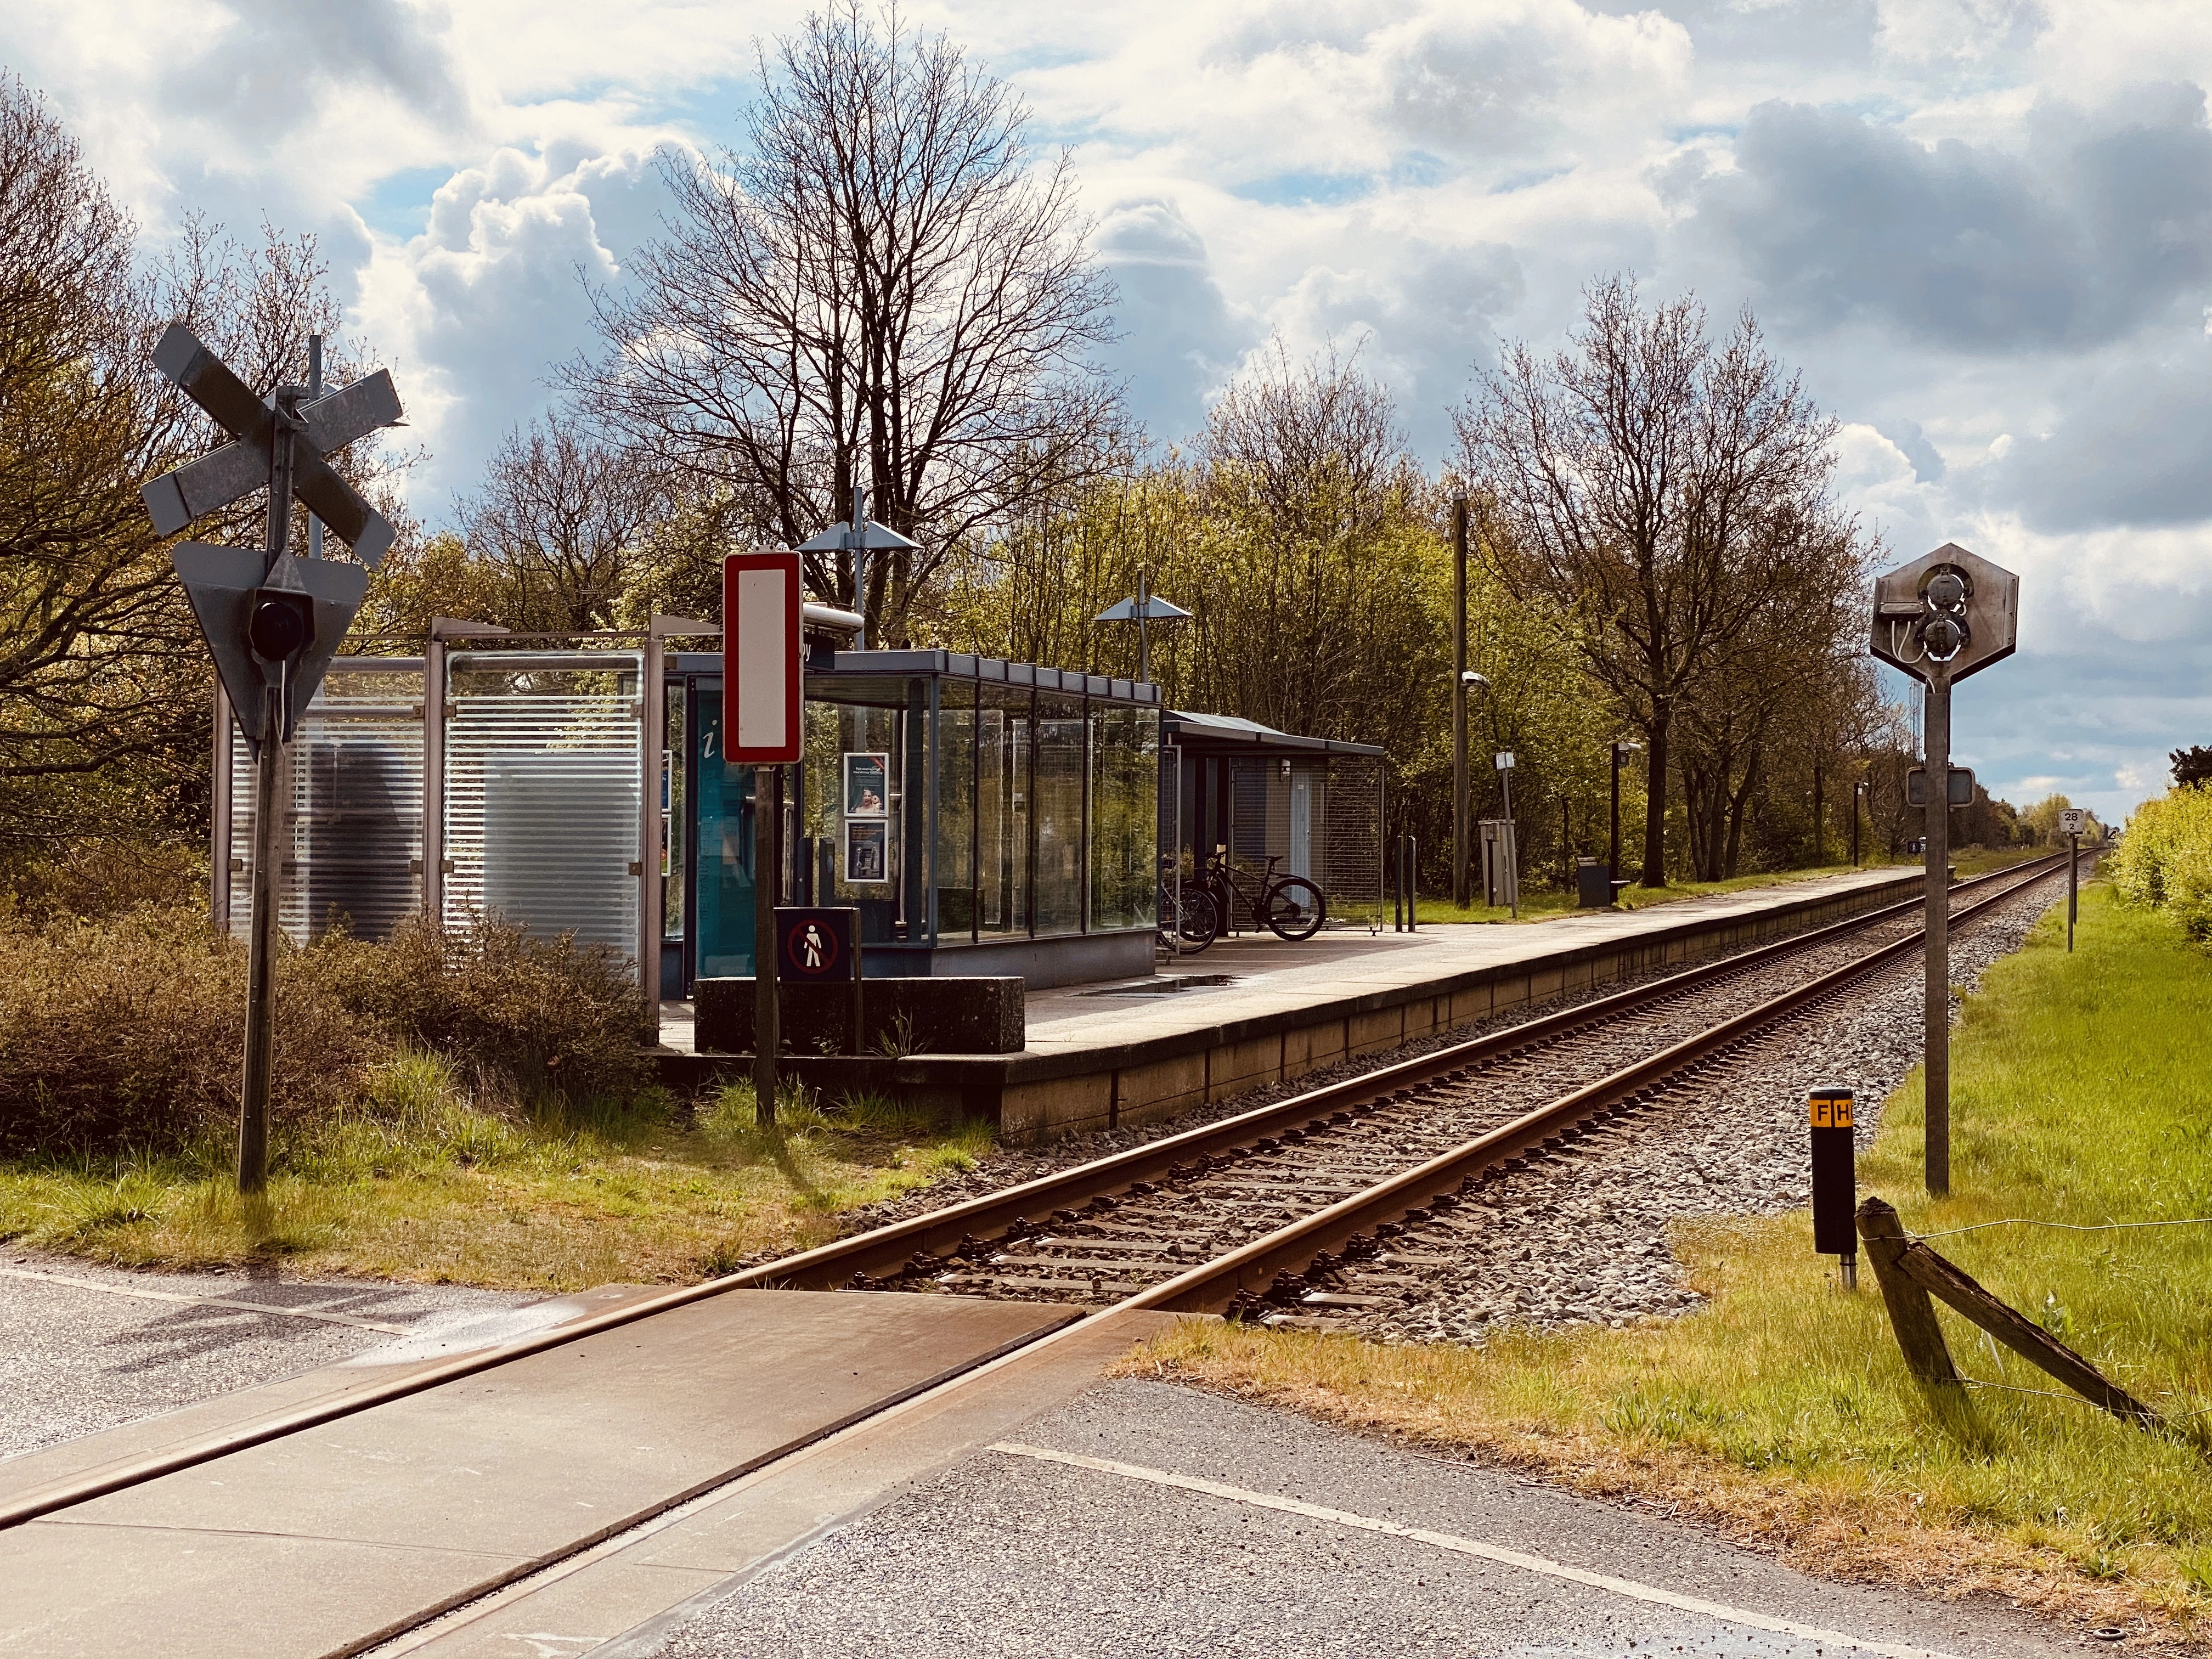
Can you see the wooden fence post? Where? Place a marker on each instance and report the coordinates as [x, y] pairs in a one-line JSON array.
[[1911, 1316], [1910, 1272]]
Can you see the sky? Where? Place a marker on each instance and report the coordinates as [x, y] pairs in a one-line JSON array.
[[1981, 228]]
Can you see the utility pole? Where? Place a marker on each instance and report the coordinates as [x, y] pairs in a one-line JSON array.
[[1459, 704]]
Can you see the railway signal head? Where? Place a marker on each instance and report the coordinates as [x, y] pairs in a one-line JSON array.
[[1946, 615]]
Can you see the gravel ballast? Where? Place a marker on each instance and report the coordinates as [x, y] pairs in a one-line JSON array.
[[1583, 1236]]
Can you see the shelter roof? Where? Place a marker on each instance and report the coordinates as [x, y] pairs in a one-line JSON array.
[[1226, 732]]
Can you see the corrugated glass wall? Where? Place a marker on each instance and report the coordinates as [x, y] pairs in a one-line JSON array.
[[353, 803], [542, 777]]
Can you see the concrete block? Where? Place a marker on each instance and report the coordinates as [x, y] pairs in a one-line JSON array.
[[1165, 1088], [979, 1016], [1372, 1034], [1056, 1106], [1246, 1065], [1312, 1047]]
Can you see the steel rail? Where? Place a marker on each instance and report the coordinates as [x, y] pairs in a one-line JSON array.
[[892, 1246], [1216, 1283], [836, 1262]]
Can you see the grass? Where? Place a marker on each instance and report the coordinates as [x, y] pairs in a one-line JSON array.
[[416, 1185], [1543, 904], [1782, 1412]]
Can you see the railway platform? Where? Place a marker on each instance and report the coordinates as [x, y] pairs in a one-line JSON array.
[[1253, 1011]]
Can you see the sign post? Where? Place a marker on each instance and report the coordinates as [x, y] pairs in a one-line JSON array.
[[1835, 1179], [1946, 615], [272, 621], [762, 728], [1504, 763], [2072, 820]]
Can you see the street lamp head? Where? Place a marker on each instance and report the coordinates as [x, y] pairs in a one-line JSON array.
[[1468, 676]]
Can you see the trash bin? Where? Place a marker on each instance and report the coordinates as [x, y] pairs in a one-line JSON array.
[[1594, 886]]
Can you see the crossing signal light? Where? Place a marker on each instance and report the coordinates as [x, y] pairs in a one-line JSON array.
[[283, 624]]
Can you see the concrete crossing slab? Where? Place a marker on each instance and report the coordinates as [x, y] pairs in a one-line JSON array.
[[319, 1542]]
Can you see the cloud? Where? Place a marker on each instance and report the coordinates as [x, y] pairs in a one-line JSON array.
[[484, 305], [2101, 222], [1179, 338], [2131, 446], [1982, 228]]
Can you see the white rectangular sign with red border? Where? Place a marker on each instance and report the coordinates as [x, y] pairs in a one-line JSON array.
[[761, 664]]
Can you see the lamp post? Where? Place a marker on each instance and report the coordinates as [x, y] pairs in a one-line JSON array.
[[1621, 751], [1146, 607], [1461, 679], [1857, 790], [1464, 680]]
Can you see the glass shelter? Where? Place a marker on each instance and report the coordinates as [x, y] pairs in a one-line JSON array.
[[985, 817]]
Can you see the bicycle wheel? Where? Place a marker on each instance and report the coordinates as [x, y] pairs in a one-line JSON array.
[[1200, 922], [1296, 909]]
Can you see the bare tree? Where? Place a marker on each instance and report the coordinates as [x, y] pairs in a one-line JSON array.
[[879, 290], [100, 664], [562, 519], [1664, 496], [1319, 514]]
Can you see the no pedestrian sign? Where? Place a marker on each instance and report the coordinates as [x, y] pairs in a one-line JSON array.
[[816, 943]]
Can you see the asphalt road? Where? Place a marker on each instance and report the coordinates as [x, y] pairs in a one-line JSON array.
[[85, 1348], [1017, 1555]]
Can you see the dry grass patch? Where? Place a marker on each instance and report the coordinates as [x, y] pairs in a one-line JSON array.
[[416, 1184], [1782, 1413]]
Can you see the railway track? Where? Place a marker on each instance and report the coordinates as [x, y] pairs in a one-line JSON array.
[[1278, 1211], [1315, 1203]]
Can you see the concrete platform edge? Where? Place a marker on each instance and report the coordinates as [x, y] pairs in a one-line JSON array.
[[1039, 1095]]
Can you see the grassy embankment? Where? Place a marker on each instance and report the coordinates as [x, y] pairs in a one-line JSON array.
[[1782, 1412], [1543, 905], [416, 1185]]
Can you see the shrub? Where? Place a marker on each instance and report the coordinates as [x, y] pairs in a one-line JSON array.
[[2165, 859], [129, 1032], [538, 1020]]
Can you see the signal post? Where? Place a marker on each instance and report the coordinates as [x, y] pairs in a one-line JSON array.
[[1946, 615]]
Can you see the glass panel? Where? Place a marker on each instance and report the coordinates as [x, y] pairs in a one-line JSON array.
[[542, 755], [957, 901], [1002, 809], [672, 815], [352, 794], [725, 947], [863, 831], [1059, 768], [1125, 806]]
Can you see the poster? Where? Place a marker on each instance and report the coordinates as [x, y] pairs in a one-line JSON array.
[[867, 850], [867, 785]]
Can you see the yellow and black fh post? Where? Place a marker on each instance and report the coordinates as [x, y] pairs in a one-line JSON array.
[[1835, 1179]]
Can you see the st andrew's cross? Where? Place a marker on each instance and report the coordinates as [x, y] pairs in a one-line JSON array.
[[273, 622]]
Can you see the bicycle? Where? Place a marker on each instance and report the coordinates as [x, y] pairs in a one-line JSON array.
[[1189, 925], [1290, 907]]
